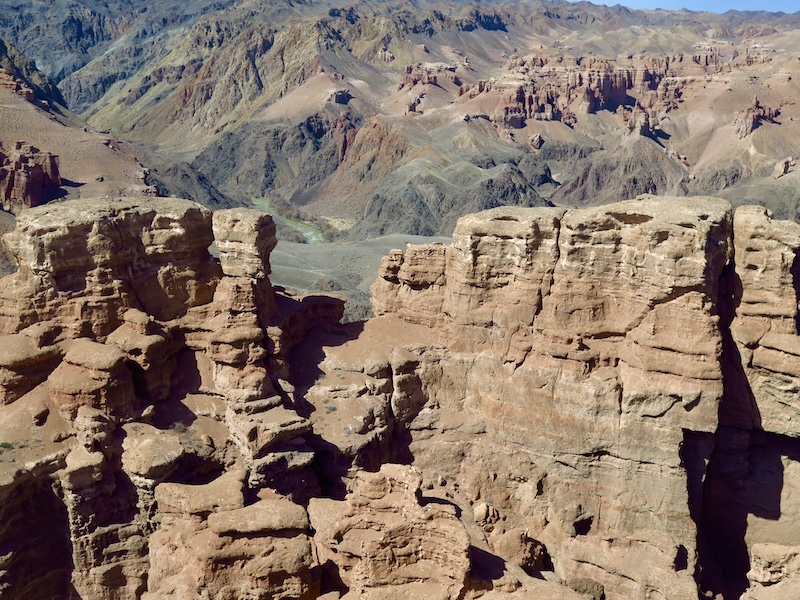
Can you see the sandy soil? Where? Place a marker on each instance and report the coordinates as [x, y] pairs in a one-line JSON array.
[[91, 163]]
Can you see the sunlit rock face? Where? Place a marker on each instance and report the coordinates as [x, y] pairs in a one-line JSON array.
[[630, 355], [141, 376], [583, 402]]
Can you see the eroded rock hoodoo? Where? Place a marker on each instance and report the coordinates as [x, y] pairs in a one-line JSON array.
[[27, 176], [560, 404], [134, 363]]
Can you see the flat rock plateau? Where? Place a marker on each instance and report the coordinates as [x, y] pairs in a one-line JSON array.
[[531, 331]]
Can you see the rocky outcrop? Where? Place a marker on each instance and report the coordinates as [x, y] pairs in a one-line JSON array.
[[27, 176], [24, 363], [752, 471], [781, 168], [587, 402], [151, 373], [599, 340], [82, 273], [18, 87], [765, 327], [384, 542], [216, 544], [555, 87], [751, 117], [20, 74], [574, 312], [429, 74], [774, 572]]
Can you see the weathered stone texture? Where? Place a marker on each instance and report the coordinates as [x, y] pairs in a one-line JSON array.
[[27, 175], [765, 327], [147, 365], [590, 402], [594, 338], [381, 538], [229, 550], [85, 263]]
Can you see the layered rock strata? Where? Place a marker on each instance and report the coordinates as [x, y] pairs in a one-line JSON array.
[[27, 176], [135, 363], [589, 403], [765, 326], [563, 88], [209, 540], [83, 266], [596, 346], [589, 339], [363, 534]]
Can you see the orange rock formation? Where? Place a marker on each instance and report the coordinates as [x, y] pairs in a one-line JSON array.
[[587, 402]]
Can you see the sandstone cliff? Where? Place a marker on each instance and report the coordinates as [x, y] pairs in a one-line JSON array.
[[146, 360], [559, 404], [636, 361], [586, 345], [27, 176]]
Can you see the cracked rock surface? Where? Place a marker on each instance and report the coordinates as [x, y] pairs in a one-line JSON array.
[[563, 404]]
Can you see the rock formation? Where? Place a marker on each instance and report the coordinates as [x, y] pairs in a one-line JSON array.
[[561, 334], [136, 353], [565, 404], [27, 176], [19, 74], [18, 87], [362, 536], [209, 542], [781, 168], [587, 342], [752, 116], [554, 87]]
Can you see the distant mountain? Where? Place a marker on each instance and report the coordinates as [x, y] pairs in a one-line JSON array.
[[47, 152], [399, 116], [20, 68]]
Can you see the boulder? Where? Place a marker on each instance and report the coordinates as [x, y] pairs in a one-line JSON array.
[[782, 167], [92, 375]]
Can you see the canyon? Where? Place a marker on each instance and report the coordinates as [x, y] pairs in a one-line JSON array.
[[376, 118], [584, 387], [561, 403]]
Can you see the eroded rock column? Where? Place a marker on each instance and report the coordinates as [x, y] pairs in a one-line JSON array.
[[269, 434]]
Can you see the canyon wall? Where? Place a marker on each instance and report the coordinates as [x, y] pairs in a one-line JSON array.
[[641, 358], [559, 404], [141, 397]]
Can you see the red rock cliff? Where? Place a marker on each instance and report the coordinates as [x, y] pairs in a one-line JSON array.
[[27, 176], [584, 403], [639, 361]]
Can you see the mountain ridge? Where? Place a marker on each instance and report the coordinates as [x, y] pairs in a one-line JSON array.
[[652, 101]]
